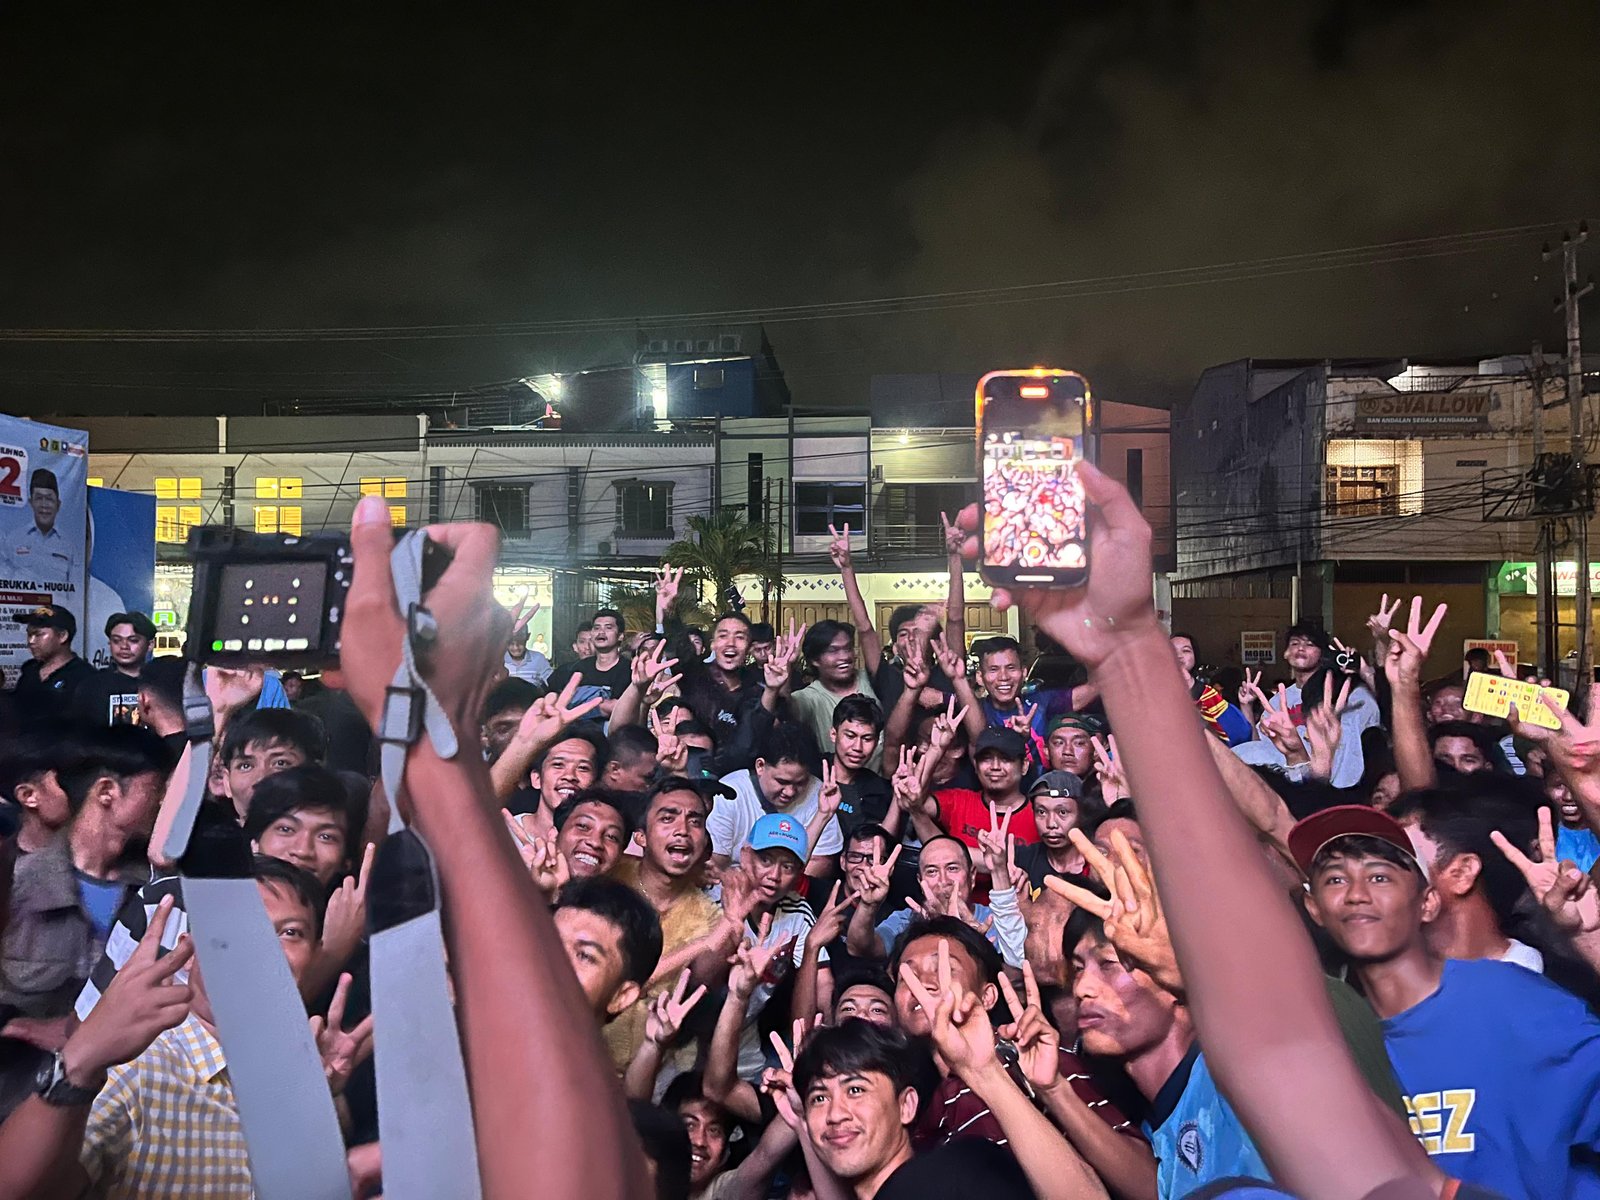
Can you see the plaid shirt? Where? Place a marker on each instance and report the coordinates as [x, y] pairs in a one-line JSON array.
[[165, 1125]]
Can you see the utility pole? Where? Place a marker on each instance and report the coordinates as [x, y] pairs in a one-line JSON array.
[[1571, 295], [1547, 613]]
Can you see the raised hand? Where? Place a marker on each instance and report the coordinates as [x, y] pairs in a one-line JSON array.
[[1108, 769], [1408, 651], [997, 845], [754, 958], [345, 919], [780, 663], [1364, 666], [547, 865], [1116, 604], [1022, 722], [839, 547], [831, 920], [778, 1082], [1380, 622], [542, 724], [142, 1001], [875, 886], [1133, 918], [961, 1030], [954, 665], [910, 792], [1037, 1042], [915, 667], [945, 726], [519, 618], [1565, 890], [672, 752], [667, 1011], [667, 583], [829, 794], [1250, 691], [342, 1050], [954, 538], [1280, 729], [1324, 727]]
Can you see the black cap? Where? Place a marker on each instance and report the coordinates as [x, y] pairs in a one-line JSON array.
[[142, 625], [1057, 783], [51, 616], [1007, 741], [44, 477]]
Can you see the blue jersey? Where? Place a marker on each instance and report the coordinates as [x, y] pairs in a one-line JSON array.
[[1196, 1137], [1578, 846], [1501, 1071]]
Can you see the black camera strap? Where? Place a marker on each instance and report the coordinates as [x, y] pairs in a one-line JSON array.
[[424, 1109], [291, 1130]]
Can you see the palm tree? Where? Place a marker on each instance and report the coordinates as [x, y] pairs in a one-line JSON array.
[[723, 547]]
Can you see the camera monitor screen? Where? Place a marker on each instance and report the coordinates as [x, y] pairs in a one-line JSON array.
[[269, 606]]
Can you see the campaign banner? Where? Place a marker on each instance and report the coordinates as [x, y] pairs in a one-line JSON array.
[[44, 481], [122, 564]]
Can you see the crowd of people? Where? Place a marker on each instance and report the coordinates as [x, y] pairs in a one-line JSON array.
[[743, 911]]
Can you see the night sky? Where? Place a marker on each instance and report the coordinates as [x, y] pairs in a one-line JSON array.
[[166, 167]]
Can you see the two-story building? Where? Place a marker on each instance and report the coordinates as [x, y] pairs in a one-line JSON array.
[[1312, 487]]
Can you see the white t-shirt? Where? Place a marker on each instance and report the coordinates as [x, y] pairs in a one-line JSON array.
[[1523, 955], [732, 819]]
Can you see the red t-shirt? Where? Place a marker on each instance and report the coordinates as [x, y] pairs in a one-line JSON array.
[[963, 813]]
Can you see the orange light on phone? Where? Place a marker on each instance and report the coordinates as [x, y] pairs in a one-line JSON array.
[[1031, 391]]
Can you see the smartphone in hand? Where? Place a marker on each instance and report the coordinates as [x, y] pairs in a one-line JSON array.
[[1034, 426]]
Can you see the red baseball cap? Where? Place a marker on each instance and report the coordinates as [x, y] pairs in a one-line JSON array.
[[1309, 836]]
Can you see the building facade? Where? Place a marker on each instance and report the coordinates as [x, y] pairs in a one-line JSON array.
[[1311, 488]]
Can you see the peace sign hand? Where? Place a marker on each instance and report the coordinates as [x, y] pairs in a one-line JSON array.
[[342, 1050], [875, 885], [1133, 918], [668, 1010], [1037, 1042], [1324, 727], [954, 538], [961, 1030], [1108, 768], [995, 843], [1379, 623], [830, 921], [954, 665], [1250, 691], [1409, 650], [542, 724], [672, 752], [544, 861], [1022, 722], [839, 547], [667, 584], [829, 795], [1566, 892]]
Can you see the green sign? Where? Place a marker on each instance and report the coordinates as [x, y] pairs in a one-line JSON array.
[[1522, 579]]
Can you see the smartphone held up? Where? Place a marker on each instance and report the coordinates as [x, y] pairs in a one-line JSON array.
[[1034, 426]]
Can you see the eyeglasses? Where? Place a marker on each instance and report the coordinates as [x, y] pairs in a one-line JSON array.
[[857, 858]]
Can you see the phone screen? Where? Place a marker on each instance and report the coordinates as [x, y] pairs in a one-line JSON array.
[[1033, 501]]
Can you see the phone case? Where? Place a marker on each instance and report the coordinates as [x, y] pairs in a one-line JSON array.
[[1493, 695]]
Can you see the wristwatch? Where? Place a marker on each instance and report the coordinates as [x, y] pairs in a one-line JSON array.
[[54, 1088]]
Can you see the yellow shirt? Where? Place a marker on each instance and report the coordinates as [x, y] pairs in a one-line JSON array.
[[690, 917], [166, 1125]]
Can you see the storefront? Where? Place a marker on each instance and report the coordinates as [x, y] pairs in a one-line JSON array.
[[1518, 586]]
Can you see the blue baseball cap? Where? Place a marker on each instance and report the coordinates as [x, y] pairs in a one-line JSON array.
[[779, 831]]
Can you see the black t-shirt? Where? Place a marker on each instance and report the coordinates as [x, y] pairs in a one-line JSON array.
[[615, 681], [108, 697], [957, 1170], [865, 800], [1036, 862], [889, 680], [719, 708], [46, 699]]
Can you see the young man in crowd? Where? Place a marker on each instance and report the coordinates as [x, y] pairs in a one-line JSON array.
[[1478, 888], [762, 639], [571, 764], [732, 687], [48, 683], [522, 663], [783, 781], [138, 1101], [30, 779], [1500, 1067], [305, 815], [592, 830], [583, 641], [1000, 757], [613, 941], [1069, 746], [111, 696], [1222, 718], [697, 933], [502, 714], [161, 701], [865, 797], [66, 894], [630, 764], [1059, 806], [1463, 746], [605, 672], [263, 742], [1003, 674], [945, 874], [860, 1087], [829, 649]]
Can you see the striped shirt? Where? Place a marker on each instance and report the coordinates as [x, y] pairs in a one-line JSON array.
[[165, 1125], [132, 921], [955, 1111]]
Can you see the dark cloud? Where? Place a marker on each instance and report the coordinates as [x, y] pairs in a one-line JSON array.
[[354, 168]]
